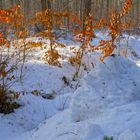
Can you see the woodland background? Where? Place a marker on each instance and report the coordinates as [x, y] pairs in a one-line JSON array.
[[98, 8]]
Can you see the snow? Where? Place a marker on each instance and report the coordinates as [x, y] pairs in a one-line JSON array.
[[116, 122], [104, 101], [106, 86], [37, 76], [129, 135]]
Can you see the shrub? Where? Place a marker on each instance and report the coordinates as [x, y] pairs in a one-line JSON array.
[[107, 138], [8, 62], [50, 19]]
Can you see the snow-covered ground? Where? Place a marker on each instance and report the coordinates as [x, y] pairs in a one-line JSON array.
[[104, 101]]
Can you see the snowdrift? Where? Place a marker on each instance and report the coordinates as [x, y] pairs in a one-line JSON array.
[[111, 83], [107, 103]]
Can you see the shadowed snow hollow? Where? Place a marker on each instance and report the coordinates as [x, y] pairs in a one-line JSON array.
[[112, 83]]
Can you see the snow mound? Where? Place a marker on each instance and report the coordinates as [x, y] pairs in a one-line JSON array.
[[120, 122], [111, 83], [128, 135]]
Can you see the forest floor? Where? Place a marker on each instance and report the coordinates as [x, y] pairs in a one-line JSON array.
[[103, 101]]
